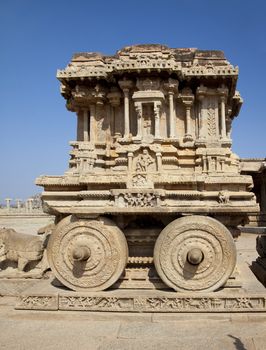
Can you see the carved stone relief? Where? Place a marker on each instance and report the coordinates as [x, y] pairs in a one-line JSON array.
[[21, 255], [140, 199]]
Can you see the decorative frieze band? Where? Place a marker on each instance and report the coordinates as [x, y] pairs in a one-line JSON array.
[[151, 303]]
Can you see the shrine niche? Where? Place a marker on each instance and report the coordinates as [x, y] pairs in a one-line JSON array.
[[153, 194]]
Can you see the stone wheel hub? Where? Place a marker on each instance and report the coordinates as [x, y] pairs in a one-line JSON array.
[[87, 255], [195, 256], [81, 253], [195, 253]]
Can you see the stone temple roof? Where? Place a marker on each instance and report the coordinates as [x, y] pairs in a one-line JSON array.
[[184, 62]]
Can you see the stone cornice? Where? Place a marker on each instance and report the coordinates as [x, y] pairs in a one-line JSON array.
[[185, 62]]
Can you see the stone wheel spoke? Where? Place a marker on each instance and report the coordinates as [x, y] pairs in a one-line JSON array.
[[195, 253], [87, 255]]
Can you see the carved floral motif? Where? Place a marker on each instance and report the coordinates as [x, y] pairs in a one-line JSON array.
[[140, 199], [211, 120]]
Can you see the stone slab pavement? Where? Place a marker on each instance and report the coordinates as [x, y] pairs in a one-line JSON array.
[[40, 330]]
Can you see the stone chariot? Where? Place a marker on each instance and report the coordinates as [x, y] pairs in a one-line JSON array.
[[153, 194]]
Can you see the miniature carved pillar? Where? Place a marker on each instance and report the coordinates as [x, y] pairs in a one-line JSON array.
[[202, 113], [223, 94], [126, 112], [114, 98], [172, 87], [85, 125], [171, 114], [130, 160], [92, 122], [125, 86], [223, 125], [157, 106], [8, 200], [204, 164], [159, 161], [188, 99], [200, 117], [79, 125], [138, 107], [188, 126], [112, 119]]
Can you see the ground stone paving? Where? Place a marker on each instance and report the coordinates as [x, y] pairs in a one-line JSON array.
[[82, 330]]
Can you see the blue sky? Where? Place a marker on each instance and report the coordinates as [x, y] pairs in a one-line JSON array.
[[38, 37]]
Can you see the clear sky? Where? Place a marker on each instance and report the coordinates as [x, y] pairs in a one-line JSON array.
[[37, 37]]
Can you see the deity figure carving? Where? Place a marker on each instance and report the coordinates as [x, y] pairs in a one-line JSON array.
[[223, 197], [143, 161]]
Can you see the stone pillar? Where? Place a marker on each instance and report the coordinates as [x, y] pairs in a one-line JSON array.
[[125, 86], [159, 161], [172, 87], [79, 125], [223, 91], [223, 124], [202, 122], [156, 107], [188, 132], [27, 205], [138, 107], [204, 165], [126, 113], [18, 204], [114, 98], [8, 200], [188, 116], [187, 99], [85, 125], [200, 117], [30, 201], [92, 122], [130, 161], [171, 114]]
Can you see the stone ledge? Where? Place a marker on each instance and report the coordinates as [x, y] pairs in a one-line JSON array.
[[144, 301]]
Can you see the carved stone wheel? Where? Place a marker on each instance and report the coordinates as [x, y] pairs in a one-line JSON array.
[[87, 255], [195, 253]]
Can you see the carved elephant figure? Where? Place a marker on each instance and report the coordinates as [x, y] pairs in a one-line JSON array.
[[20, 247]]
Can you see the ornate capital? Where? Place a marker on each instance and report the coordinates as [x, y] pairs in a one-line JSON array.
[[172, 86], [114, 97], [187, 97], [223, 92], [138, 108], [99, 94], [201, 92], [125, 85]]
